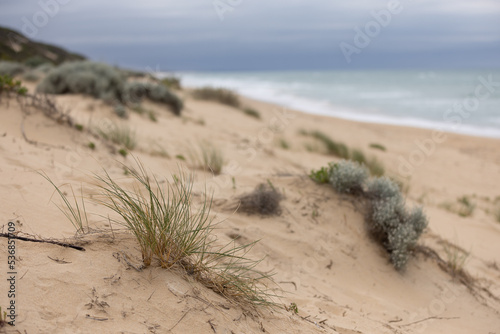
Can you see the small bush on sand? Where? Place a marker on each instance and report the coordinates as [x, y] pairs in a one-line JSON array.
[[251, 112], [31, 76], [84, 77], [173, 233], [121, 111], [221, 95], [264, 200], [389, 221], [9, 86], [45, 68], [321, 175], [135, 92], [497, 213], [35, 61], [11, 68], [465, 206], [348, 177], [172, 82]]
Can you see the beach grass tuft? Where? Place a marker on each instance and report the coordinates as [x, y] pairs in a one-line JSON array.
[[119, 134], [221, 95], [175, 233], [207, 156]]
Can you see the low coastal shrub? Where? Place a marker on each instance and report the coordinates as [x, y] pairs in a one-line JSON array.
[[98, 80], [9, 86], [135, 92], [264, 200], [31, 76], [107, 83], [221, 95], [251, 112], [321, 175], [172, 82], [348, 177], [36, 61], [11, 68], [121, 111], [173, 232], [465, 206], [45, 68], [389, 221]]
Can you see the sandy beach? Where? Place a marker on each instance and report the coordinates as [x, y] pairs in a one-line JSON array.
[[323, 257]]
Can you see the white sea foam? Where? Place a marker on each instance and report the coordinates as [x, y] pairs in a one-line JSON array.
[[365, 97]]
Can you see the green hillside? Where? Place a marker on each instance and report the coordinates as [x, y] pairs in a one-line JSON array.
[[14, 46]]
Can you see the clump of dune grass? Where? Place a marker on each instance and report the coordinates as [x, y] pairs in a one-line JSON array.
[[135, 91], [264, 200], [207, 156], [221, 95], [396, 227], [465, 206], [332, 147], [251, 112], [456, 259], [119, 134], [175, 233], [172, 82], [496, 213], [377, 146], [284, 144], [76, 211], [341, 150]]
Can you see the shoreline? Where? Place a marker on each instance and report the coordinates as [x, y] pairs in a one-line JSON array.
[[452, 118]]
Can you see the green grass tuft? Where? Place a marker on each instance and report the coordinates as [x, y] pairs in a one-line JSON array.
[[207, 157], [119, 134], [251, 112], [378, 147], [221, 95], [173, 233]]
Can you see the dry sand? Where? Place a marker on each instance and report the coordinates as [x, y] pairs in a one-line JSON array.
[[325, 261]]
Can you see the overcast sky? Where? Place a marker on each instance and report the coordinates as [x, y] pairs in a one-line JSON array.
[[267, 34]]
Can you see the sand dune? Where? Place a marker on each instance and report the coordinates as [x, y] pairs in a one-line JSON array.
[[323, 257]]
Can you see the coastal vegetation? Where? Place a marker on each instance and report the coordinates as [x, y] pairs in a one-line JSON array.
[[394, 226]]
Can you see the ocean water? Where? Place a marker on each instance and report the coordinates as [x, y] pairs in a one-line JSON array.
[[465, 101]]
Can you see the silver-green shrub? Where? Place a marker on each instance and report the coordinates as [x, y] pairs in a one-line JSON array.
[[396, 227], [84, 77], [135, 92], [390, 222], [382, 187], [348, 177], [11, 68], [45, 68]]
